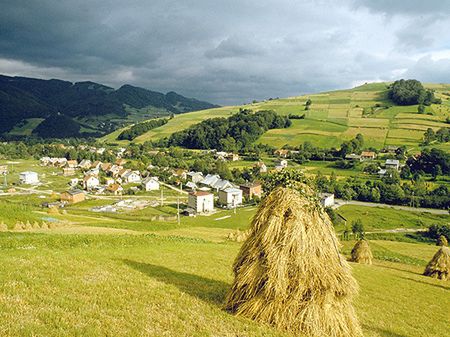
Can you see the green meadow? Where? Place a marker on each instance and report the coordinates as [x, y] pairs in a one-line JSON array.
[[332, 118]]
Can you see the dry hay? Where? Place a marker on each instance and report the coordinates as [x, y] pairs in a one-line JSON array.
[[238, 236], [439, 266], [3, 227], [289, 272], [28, 225], [19, 226], [44, 225], [361, 252], [442, 241], [36, 225], [53, 210]]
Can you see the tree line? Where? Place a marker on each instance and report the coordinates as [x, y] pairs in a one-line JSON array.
[[141, 128], [228, 134]]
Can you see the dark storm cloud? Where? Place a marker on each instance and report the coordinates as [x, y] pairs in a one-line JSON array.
[[227, 52]]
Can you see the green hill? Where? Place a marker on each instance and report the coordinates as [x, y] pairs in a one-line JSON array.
[[332, 118], [93, 106]]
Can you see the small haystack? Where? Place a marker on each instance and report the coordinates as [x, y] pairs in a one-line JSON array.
[[3, 227], [442, 241], [439, 266], [36, 225], [238, 236], [361, 252], [289, 272]]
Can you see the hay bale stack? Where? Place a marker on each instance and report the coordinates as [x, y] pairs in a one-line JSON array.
[[361, 252], [289, 272], [442, 241], [439, 266]]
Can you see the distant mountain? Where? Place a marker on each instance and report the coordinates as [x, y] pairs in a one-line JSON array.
[[94, 106]]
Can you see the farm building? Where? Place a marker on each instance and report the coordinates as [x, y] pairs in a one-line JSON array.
[[180, 173], [368, 155], [72, 163], [354, 157], [115, 189], [190, 185], [150, 184], [28, 177], [261, 167], [233, 157], [90, 182], [327, 199], [195, 177], [393, 164], [68, 171], [97, 165], [132, 177], [230, 197], [282, 153], [201, 202], [73, 196], [251, 190], [121, 162], [281, 164], [85, 164]]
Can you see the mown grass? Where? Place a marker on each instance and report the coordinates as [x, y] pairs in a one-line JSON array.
[[147, 285], [382, 218]]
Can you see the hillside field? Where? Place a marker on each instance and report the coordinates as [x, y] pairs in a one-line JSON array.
[[333, 117]]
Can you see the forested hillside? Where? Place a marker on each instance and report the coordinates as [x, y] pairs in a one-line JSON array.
[[24, 98]]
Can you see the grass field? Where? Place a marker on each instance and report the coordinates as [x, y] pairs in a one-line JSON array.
[[127, 275], [334, 117], [150, 285]]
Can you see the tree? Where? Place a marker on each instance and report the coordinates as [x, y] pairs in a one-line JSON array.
[[421, 109], [358, 229], [429, 136]]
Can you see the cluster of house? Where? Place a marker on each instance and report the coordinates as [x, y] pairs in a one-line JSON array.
[[115, 173], [201, 198], [389, 164]]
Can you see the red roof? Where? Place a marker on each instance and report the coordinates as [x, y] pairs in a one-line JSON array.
[[200, 193]]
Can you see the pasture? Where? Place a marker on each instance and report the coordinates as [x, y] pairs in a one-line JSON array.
[[332, 118], [174, 283]]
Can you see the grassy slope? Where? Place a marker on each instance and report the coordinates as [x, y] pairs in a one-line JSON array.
[[334, 117], [55, 285]]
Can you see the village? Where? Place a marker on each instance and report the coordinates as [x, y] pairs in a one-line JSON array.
[[198, 193]]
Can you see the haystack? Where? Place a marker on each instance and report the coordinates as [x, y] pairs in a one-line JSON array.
[[238, 236], [36, 225], [361, 252], [442, 241], [289, 272], [439, 266], [3, 227]]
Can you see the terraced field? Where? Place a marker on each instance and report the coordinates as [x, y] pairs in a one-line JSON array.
[[333, 117]]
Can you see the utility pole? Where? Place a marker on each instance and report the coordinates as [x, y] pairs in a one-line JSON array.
[[178, 210]]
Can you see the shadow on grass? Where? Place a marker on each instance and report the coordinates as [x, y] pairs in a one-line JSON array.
[[382, 332], [211, 291], [425, 282]]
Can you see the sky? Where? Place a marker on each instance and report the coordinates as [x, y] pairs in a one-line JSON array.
[[227, 52]]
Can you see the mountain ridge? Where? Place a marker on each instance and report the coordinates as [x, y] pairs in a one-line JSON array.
[[22, 98]]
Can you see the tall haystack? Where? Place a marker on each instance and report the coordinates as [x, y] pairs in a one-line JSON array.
[[442, 241], [439, 266], [289, 272], [361, 252]]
